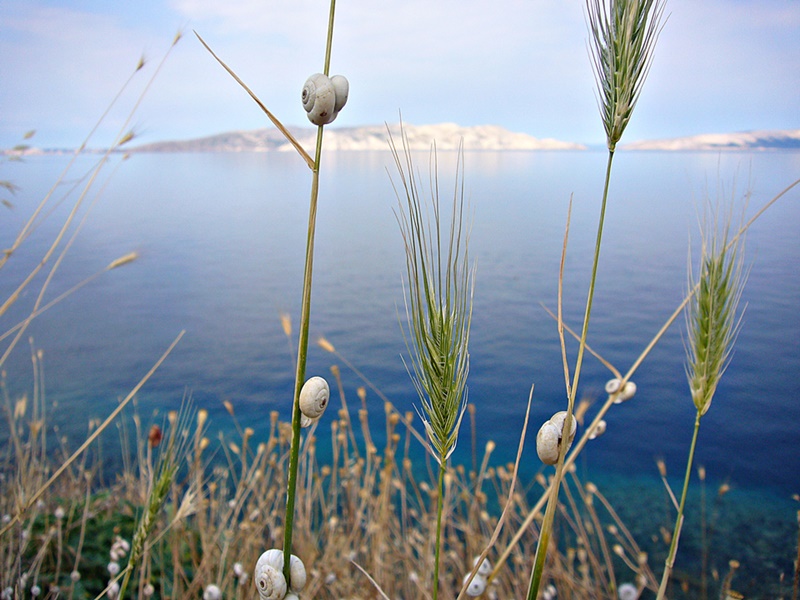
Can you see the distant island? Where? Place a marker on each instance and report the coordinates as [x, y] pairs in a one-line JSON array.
[[448, 136], [781, 139]]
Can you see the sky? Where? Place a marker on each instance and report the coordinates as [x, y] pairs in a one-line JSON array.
[[720, 66]]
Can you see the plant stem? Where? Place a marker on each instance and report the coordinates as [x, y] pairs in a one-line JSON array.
[[673, 547], [302, 346], [439, 510], [552, 502]]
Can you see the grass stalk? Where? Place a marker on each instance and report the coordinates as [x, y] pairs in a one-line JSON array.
[[438, 311], [552, 502], [302, 346], [623, 34], [673, 546], [439, 509], [712, 320]]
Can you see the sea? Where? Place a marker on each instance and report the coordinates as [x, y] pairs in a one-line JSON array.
[[221, 241]]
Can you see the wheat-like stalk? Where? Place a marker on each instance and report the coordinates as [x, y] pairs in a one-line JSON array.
[[438, 309], [712, 322], [713, 318], [623, 37]]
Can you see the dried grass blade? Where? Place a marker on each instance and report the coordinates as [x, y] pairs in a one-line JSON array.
[[506, 507], [272, 117]]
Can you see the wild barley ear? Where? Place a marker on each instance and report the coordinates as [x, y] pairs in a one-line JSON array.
[[624, 34], [713, 317], [438, 299]]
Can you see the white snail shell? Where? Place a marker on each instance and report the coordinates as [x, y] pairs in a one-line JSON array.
[[314, 397], [212, 592], [548, 440], [270, 566], [485, 568], [627, 392], [477, 586], [598, 430], [612, 386], [323, 97], [270, 582], [306, 421], [627, 591], [342, 89]]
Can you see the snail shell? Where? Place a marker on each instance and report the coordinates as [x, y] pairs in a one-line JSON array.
[[314, 397], [548, 440], [485, 568], [598, 430], [612, 386], [342, 89], [627, 392], [270, 582], [324, 97], [627, 591], [212, 592], [477, 586], [271, 562]]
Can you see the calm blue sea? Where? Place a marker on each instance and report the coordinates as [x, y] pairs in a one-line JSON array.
[[221, 239]]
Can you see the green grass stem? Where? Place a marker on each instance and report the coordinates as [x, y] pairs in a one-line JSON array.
[[552, 502], [302, 346], [676, 534]]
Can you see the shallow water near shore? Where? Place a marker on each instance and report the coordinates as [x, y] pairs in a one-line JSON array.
[[221, 239]]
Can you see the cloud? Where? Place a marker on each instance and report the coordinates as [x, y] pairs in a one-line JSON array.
[[522, 64]]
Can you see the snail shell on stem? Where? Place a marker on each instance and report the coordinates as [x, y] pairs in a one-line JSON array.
[[598, 430], [612, 386], [270, 582], [626, 392], [341, 87], [477, 586], [323, 97], [270, 579], [314, 397], [548, 440], [485, 568]]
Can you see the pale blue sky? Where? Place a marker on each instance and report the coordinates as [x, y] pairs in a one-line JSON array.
[[720, 66]]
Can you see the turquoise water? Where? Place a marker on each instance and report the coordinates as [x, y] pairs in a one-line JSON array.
[[221, 239]]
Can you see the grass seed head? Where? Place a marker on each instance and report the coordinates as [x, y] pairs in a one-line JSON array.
[[623, 37]]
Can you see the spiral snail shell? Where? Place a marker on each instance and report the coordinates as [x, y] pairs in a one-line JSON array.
[[271, 583], [477, 586], [314, 397], [626, 392], [323, 97], [598, 430], [485, 568], [548, 440], [627, 591], [212, 592]]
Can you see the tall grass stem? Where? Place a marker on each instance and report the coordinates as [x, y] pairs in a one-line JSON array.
[[673, 546], [552, 502], [302, 346]]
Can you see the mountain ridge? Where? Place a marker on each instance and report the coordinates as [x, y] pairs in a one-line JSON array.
[[447, 136], [764, 139]]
